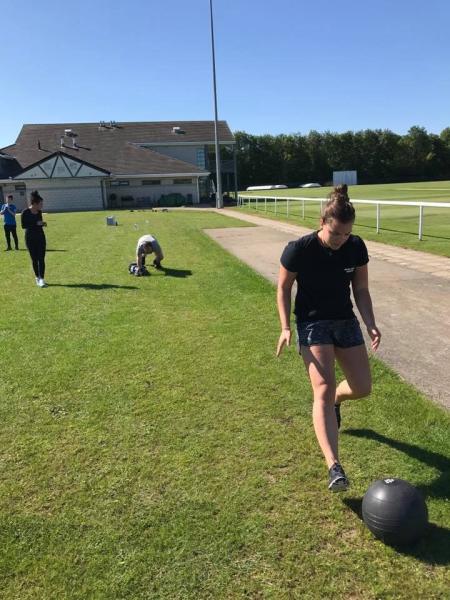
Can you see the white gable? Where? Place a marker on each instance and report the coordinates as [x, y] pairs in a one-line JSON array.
[[74, 165], [48, 165], [34, 173], [61, 169], [86, 171], [61, 166]]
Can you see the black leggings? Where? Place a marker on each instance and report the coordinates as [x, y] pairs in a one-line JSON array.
[[11, 229], [36, 247]]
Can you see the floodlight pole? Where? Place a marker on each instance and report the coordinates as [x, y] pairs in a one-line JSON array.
[[219, 199]]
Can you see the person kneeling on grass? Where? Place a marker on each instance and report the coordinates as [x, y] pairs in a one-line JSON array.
[[325, 263], [147, 244]]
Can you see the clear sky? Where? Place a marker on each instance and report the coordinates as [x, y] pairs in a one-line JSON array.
[[283, 66]]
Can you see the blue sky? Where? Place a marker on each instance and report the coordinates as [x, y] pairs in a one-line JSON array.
[[283, 66]]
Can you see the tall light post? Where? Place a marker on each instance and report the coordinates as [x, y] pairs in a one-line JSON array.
[[219, 199]]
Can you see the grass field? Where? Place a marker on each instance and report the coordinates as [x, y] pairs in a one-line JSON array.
[[399, 225], [154, 448]]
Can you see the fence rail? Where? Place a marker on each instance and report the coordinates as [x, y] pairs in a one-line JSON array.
[[377, 203]]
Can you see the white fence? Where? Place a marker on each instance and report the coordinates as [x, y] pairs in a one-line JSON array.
[[261, 201]]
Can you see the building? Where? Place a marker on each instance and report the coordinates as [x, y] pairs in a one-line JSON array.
[[94, 166]]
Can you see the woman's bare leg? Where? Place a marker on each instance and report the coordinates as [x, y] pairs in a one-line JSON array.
[[319, 362], [354, 362]]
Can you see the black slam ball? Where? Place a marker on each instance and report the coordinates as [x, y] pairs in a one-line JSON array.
[[395, 511]]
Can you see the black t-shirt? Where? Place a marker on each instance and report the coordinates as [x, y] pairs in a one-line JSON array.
[[29, 223], [323, 276]]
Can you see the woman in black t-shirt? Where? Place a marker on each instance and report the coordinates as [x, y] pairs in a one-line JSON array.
[[34, 236], [325, 264]]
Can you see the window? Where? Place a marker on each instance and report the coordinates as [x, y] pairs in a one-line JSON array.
[[201, 161], [182, 181], [151, 182], [119, 182]]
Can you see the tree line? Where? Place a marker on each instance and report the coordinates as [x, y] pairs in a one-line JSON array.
[[379, 156]]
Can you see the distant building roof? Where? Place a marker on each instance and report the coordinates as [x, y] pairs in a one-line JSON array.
[[9, 167], [115, 147]]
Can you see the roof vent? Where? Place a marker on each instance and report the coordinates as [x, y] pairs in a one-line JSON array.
[[69, 133], [61, 142], [177, 130], [112, 124]]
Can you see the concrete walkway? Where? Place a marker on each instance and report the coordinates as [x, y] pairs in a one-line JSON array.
[[410, 292]]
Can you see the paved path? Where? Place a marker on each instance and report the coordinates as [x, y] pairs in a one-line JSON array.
[[410, 292]]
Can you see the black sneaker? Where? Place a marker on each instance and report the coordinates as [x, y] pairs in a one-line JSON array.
[[337, 410], [338, 481]]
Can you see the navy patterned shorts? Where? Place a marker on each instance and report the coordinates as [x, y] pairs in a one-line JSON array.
[[343, 333]]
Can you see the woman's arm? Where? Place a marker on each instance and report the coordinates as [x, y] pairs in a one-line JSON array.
[[25, 219], [285, 282], [360, 286]]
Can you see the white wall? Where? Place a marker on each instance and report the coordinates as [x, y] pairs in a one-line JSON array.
[[68, 194]]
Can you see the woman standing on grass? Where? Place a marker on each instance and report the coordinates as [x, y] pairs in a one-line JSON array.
[[325, 263], [34, 236]]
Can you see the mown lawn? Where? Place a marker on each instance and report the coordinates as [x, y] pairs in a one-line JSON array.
[[399, 225], [154, 448]]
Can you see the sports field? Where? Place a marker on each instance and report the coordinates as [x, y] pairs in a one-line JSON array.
[[399, 224], [154, 448]]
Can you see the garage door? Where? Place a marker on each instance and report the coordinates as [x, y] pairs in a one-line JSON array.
[[71, 198]]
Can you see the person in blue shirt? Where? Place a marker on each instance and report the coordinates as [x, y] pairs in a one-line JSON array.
[[8, 211]]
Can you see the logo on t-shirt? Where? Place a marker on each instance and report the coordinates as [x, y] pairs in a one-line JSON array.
[[349, 269]]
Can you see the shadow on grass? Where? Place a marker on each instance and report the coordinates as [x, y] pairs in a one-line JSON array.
[[439, 488], [169, 272], [94, 286], [433, 548]]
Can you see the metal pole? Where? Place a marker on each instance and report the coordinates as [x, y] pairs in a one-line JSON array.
[[275, 205], [265, 204], [219, 199], [287, 208], [303, 209], [235, 172], [378, 218], [420, 221]]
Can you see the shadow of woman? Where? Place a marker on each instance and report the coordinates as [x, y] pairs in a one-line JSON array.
[[94, 286], [434, 547], [440, 487]]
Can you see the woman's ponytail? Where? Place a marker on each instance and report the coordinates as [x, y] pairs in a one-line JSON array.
[[339, 206]]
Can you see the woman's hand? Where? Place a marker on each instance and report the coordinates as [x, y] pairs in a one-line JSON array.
[[284, 340], [375, 336]]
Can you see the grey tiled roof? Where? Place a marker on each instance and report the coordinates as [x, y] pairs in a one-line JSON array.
[[113, 148], [8, 167]]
